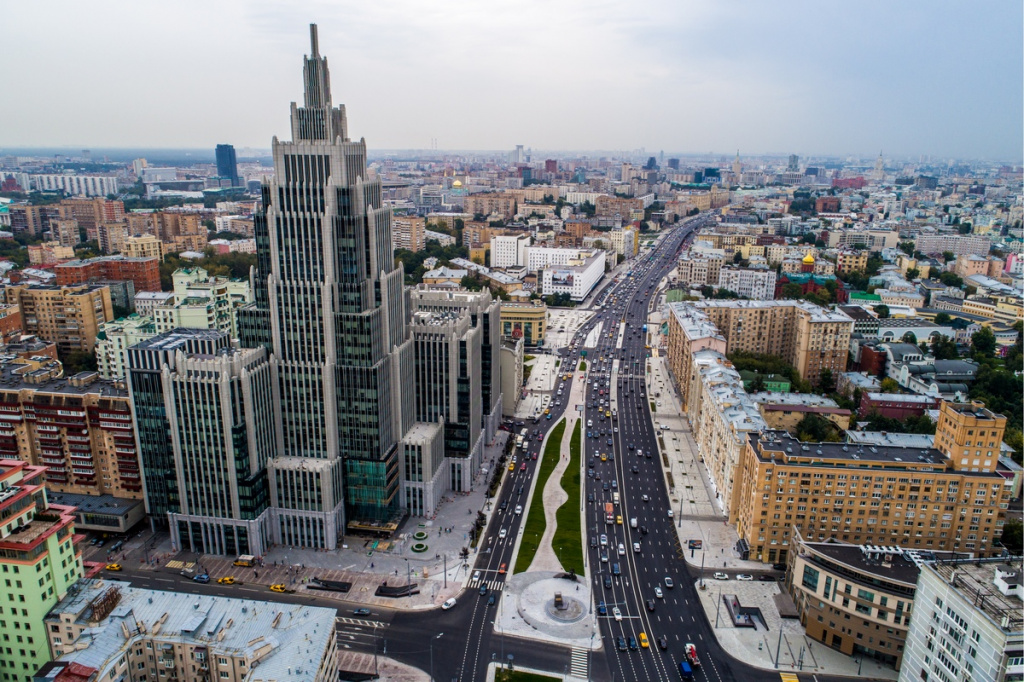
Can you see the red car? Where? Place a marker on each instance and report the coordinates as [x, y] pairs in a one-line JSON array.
[[523, 467], [535, 455]]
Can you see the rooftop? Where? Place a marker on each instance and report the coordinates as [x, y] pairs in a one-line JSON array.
[[887, 564], [11, 379], [901, 397], [288, 640], [805, 399], [94, 504], [977, 581], [772, 443], [694, 323], [817, 313]]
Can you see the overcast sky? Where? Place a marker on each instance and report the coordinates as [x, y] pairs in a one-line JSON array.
[[815, 77]]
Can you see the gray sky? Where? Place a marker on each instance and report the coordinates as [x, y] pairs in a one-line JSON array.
[[816, 77]]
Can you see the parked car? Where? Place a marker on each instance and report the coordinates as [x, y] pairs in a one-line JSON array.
[[449, 604], [720, 576], [202, 578], [744, 576]]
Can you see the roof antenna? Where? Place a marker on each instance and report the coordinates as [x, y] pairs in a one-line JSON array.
[[314, 43]]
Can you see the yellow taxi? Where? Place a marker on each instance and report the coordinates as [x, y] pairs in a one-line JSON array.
[[226, 580], [113, 567], [604, 457], [547, 410], [643, 640], [277, 588], [512, 466], [608, 413], [618, 520]]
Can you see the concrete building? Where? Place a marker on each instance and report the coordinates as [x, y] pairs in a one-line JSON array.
[[960, 245], [689, 331], [146, 301], [968, 623], [111, 237], [40, 561], [700, 270], [809, 337], [862, 494], [566, 271], [752, 283], [47, 311], [526, 320], [407, 232], [203, 302], [109, 630], [143, 272], [509, 251], [143, 246], [784, 411], [113, 340], [851, 261], [77, 185], [49, 253], [512, 357], [624, 242], [443, 275], [422, 468]]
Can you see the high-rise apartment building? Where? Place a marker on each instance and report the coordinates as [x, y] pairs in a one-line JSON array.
[[39, 562], [808, 337], [112, 236], [143, 246], [115, 338], [79, 429], [70, 316], [329, 305], [408, 232], [509, 251], [753, 283], [227, 164], [180, 231], [143, 272], [65, 231]]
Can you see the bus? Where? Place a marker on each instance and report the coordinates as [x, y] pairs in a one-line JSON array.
[[520, 442]]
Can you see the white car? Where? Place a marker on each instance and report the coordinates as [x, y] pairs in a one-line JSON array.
[[744, 576], [449, 604], [657, 592], [502, 533], [616, 613], [720, 576], [636, 547], [519, 510], [622, 549], [670, 514]]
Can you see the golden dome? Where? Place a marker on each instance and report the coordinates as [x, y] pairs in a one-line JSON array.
[[809, 259], [457, 183]]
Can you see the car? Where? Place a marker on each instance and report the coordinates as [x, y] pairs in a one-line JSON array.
[[779, 567], [483, 590], [643, 640], [94, 541], [616, 613], [620, 642], [616, 570], [668, 583], [670, 514], [632, 643], [604, 555], [523, 467], [476, 575], [201, 578], [590, 497], [511, 466], [490, 600], [226, 580], [448, 604], [646, 498], [361, 612], [604, 486], [635, 469], [663, 642], [766, 578], [502, 533], [593, 542], [718, 575], [503, 506], [636, 547], [618, 520], [278, 587], [658, 593], [744, 576], [602, 609], [607, 582], [113, 567], [501, 570], [650, 604], [519, 509], [622, 549], [643, 530]]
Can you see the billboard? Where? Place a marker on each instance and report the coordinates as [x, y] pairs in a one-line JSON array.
[[562, 278]]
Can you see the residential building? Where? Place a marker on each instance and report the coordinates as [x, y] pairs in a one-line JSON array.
[[772, 383], [10, 320], [502, 204], [901, 297], [70, 316], [147, 385], [968, 623], [222, 437], [49, 253], [966, 428], [338, 335], [179, 231], [143, 246], [512, 357], [508, 251], [959, 245], [90, 213], [699, 270], [79, 428], [897, 405], [144, 273], [203, 302], [857, 599], [40, 561], [442, 238], [407, 232], [109, 630], [33, 220], [624, 242], [65, 232], [689, 331], [526, 320], [84, 185], [808, 337], [111, 237], [862, 493], [785, 411], [852, 261], [113, 340], [146, 301], [755, 284]]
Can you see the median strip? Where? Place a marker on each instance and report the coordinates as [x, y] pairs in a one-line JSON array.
[[533, 527], [568, 540]]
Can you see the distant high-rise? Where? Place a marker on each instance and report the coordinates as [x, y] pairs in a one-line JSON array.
[[329, 305], [794, 163], [227, 164]]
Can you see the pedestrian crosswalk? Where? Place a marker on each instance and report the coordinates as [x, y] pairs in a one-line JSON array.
[[496, 585], [579, 663], [343, 620]]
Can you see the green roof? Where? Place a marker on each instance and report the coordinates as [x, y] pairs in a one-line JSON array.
[[861, 296]]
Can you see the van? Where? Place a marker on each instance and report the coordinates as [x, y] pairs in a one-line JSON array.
[[632, 522], [245, 560], [685, 670]]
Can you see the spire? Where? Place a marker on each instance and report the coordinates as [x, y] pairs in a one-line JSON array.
[[317, 79], [314, 43]]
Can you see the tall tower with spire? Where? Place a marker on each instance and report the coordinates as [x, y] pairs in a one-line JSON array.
[[737, 167], [329, 306]]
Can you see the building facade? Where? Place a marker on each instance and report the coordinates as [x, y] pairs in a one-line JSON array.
[[70, 316], [752, 283], [408, 232], [509, 251], [526, 320], [143, 272]]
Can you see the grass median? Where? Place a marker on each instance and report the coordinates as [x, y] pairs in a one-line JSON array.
[[568, 539], [533, 527]]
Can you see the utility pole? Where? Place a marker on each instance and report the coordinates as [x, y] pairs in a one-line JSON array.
[[718, 607], [445, 571], [778, 648]]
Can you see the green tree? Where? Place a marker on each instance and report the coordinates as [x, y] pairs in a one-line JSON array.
[[951, 279], [1013, 536], [826, 382], [910, 337], [964, 228], [943, 348], [913, 273], [889, 385], [814, 429], [943, 318], [948, 256], [983, 342], [882, 311], [907, 248], [78, 361], [791, 291]]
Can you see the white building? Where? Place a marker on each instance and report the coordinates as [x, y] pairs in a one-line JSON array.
[[145, 301], [77, 185], [440, 237], [624, 242], [755, 284], [567, 271], [967, 623], [508, 251]]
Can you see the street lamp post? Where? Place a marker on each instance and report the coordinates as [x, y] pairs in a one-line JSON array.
[[445, 571], [432, 655], [778, 648]]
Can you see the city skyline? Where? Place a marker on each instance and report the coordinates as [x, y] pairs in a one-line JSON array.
[[811, 79]]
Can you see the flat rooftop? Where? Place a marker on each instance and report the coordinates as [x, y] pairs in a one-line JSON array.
[[795, 452], [975, 580], [94, 504]]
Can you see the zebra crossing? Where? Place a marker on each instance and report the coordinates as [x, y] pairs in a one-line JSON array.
[[342, 620], [496, 585], [579, 663]]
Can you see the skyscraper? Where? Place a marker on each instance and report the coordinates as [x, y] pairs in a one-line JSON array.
[[227, 165], [329, 305]]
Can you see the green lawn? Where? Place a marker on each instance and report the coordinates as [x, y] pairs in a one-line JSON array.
[[583, 365], [568, 539], [505, 675], [533, 527]]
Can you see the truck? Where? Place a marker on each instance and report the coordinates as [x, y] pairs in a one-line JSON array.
[[245, 560], [691, 654], [685, 671], [609, 512]]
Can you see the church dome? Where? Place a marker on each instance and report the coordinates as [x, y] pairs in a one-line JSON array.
[[809, 259], [457, 183]]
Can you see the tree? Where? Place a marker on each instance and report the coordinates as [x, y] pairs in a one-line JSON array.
[[813, 429], [737, 257], [943, 348], [889, 385], [948, 256], [951, 279], [943, 318], [882, 311], [964, 228], [78, 361], [983, 342], [792, 291], [910, 337], [826, 382], [913, 273], [1013, 536], [907, 248]]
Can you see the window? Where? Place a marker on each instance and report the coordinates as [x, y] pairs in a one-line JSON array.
[[810, 579]]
